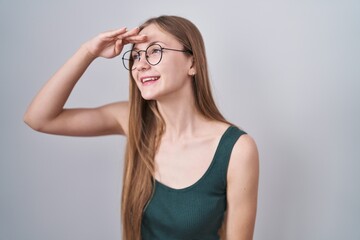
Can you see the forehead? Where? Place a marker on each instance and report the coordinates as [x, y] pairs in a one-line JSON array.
[[156, 34]]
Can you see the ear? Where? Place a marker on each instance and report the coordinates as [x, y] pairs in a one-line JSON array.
[[192, 71]]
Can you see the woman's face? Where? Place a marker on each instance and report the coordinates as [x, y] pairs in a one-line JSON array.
[[171, 77]]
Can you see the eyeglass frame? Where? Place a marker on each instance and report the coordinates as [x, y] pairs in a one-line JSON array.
[[146, 57]]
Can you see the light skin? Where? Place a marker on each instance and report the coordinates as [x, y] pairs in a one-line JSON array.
[[188, 134]]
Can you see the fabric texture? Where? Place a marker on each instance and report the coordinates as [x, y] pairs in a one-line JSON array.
[[194, 212]]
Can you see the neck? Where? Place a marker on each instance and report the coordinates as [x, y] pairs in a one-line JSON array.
[[181, 117]]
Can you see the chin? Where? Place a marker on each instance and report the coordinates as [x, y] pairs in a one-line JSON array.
[[148, 97]]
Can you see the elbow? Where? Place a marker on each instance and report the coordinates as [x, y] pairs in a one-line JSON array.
[[32, 123]]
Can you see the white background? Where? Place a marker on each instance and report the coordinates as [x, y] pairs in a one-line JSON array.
[[287, 72]]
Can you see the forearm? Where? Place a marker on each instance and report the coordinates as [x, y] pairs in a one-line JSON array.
[[50, 100]]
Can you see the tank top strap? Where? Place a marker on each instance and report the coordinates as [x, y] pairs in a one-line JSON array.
[[223, 153]]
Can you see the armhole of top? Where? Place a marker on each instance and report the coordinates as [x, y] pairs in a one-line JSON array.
[[229, 144]]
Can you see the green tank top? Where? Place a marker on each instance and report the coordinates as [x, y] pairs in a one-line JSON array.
[[194, 212]]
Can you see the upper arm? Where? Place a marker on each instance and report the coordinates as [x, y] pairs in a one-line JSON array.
[[242, 189], [105, 120]]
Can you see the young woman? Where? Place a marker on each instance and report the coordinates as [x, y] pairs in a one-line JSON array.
[[189, 174]]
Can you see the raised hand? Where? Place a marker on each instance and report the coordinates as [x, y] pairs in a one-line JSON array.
[[110, 44], [47, 114]]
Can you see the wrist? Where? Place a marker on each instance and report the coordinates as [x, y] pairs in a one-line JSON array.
[[85, 50]]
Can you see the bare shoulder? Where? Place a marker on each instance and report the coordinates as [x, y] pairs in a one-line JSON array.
[[244, 158], [245, 148]]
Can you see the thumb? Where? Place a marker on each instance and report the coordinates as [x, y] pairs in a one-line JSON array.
[[118, 46]]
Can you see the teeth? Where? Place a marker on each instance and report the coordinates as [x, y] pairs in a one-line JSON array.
[[149, 79]]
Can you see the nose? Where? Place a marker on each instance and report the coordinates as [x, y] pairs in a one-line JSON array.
[[142, 64]]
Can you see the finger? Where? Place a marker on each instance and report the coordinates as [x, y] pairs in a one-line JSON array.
[[132, 32], [118, 47], [114, 33], [136, 39]]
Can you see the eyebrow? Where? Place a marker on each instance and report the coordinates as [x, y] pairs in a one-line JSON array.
[[153, 42]]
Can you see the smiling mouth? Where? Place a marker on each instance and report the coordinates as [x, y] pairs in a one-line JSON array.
[[149, 79]]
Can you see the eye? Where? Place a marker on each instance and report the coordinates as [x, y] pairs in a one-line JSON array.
[[154, 51], [135, 56], [157, 50]]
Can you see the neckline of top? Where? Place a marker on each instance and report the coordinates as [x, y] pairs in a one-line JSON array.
[[158, 183]]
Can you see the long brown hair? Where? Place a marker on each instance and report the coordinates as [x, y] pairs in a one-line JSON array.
[[146, 125]]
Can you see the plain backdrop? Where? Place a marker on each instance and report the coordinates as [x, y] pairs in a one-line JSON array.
[[287, 72]]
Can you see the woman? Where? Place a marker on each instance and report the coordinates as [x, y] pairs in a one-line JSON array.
[[187, 170]]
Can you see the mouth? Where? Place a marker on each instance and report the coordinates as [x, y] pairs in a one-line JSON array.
[[149, 79]]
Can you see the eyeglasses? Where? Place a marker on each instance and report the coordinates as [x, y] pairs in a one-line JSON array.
[[153, 55]]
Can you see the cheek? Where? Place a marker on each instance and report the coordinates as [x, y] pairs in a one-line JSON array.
[[176, 67], [134, 77], [134, 74]]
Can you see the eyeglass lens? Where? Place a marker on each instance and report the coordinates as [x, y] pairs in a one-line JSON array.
[[153, 55]]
